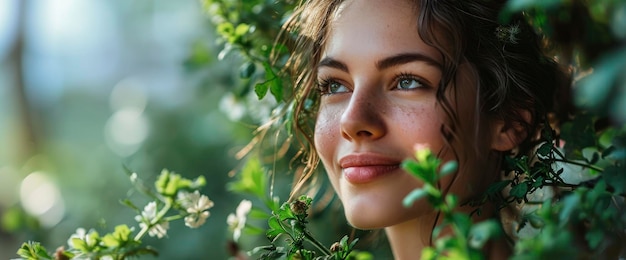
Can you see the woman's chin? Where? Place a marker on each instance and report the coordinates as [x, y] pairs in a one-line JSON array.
[[381, 219]]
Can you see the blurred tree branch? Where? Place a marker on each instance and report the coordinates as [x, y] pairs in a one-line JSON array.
[[27, 144]]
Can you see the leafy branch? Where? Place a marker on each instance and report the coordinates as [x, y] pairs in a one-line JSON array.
[[174, 197]]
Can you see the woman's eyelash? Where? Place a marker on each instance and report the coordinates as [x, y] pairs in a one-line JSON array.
[[322, 85], [410, 76]]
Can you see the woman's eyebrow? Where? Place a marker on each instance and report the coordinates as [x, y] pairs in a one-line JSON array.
[[385, 63], [404, 58], [330, 62]]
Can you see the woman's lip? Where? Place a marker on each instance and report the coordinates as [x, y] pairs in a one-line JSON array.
[[364, 168]]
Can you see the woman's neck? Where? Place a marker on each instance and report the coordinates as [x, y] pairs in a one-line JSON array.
[[407, 239]]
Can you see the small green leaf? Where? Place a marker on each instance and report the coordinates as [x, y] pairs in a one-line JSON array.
[[418, 170], [130, 204], [118, 238], [242, 29], [276, 88], [252, 179], [480, 233], [33, 250], [261, 89], [247, 70], [274, 229], [413, 196], [594, 237], [80, 244], [448, 167], [258, 214], [225, 29], [544, 149], [252, 230], [519, 191]]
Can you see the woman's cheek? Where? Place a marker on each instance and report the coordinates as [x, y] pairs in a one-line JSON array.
[[327, 134]]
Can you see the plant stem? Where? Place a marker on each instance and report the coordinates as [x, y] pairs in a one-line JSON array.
[[578, 164], [159, 216], [316, 243]]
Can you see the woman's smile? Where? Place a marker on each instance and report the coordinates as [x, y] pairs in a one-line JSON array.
[[366, 167]]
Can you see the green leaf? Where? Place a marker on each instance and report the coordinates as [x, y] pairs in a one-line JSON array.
[[118, 238], [448, 168], [274, 229], [130, 204], [498, 186], [252, 179], [256, 213], [519, 191], [226, 29], [594, 237], [544, 149], [276, 88], [241, 29], [80, 244], [418, 170], [413, 196], [261, 89], [33, 251], [252, 230], [247, 70], [462, 222], [481, 232]]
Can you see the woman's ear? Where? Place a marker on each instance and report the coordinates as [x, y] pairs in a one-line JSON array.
[[508, 135]]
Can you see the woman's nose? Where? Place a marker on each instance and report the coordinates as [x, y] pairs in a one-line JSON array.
[[363, 119]]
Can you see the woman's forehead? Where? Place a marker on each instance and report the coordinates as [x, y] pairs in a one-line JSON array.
[[365, 27]]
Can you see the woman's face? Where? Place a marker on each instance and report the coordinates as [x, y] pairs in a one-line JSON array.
[[378, 81]]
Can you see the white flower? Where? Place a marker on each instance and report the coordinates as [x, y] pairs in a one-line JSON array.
[[237, 221], [133, 177], [147, 216], [196, 205], [196, 220], [81, 234]]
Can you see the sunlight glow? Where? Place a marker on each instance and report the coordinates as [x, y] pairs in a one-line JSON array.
[[126, 130], [41, 198]]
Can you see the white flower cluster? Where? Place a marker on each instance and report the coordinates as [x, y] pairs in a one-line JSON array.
[[147, 216], [196, 205]]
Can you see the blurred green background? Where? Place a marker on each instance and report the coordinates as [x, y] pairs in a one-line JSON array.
[[88, 87]]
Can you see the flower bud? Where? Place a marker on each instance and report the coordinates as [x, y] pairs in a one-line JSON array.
[[299, 207]]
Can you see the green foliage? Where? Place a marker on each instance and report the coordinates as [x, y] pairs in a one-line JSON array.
[[173, 193], [32, 251], [287, 225], [249, 28], [467, 239], [591, 34], [252, 179]]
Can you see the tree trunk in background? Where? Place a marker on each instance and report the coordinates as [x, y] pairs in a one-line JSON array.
[[27, 145]]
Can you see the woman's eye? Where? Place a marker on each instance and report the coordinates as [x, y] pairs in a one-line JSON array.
[[332, 87], [406, 83]]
